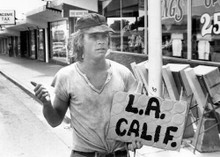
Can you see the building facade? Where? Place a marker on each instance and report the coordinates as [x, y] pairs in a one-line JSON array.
[[190, 28]]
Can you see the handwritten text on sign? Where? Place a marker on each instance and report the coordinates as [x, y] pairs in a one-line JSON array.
[[156, 122]]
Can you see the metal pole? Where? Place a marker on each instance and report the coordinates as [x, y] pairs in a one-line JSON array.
[[155, 48], [189, 29], [121, 25], [145, 30], [46, 46]]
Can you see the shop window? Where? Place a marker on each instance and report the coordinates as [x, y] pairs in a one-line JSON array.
[[60, 33], [206, 30], [126, 17], [41, 46], [33, 45], [174, 28]]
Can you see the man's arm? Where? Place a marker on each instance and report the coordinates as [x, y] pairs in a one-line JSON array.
[[54, 114]]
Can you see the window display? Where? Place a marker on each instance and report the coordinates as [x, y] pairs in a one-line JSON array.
[[59, 38], [127, 18]]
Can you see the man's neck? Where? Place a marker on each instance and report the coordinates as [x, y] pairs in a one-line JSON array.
[[94, 66]]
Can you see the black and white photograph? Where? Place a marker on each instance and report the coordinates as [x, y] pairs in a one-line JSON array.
[[109, 78]]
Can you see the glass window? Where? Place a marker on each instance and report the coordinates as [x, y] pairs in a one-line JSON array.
[[19, 46], [126, 17], [60, 35], [41, 47], [33, 45], [206, 29], [174, 28]]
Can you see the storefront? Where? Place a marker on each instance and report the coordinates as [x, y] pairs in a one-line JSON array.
[[190, 29], [41, 55], [9, 42], [3, 45], [33, 44], [195, 39]]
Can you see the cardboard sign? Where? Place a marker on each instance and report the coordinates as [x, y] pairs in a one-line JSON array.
[[156, 122]]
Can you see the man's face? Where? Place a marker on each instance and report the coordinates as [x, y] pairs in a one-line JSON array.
[[95, 45]]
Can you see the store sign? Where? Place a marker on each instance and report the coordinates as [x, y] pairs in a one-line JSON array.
[[77, 13], [152, 120], [210, 23], [209, 3], [175, 9], [7, 17]]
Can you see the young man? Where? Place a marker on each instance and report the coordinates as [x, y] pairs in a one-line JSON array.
[[87, 87]]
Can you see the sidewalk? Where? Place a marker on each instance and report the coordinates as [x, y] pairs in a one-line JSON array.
[[24, 131], [21, 71]]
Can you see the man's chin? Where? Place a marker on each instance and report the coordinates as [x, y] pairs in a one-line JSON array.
[[102, 50]]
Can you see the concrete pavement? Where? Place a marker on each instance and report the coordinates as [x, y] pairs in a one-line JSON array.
[[23, 130], [21, 71]]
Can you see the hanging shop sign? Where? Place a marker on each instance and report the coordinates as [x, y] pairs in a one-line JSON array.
[[77, 13], [152, 120], [7, 17]]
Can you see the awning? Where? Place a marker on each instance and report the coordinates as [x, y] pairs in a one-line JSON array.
[[14, 30], [22, 27], [6, 33], [45, 14], [27, 24], [37, 18]]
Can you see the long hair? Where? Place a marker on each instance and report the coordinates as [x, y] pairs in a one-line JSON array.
[[77, 43]]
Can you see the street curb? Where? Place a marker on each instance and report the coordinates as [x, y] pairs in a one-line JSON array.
[[66, 118]]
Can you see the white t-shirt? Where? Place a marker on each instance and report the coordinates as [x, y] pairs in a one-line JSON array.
[[89, 107]]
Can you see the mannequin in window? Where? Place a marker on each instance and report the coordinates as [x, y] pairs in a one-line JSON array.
[[177, 44], [203, 47]]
